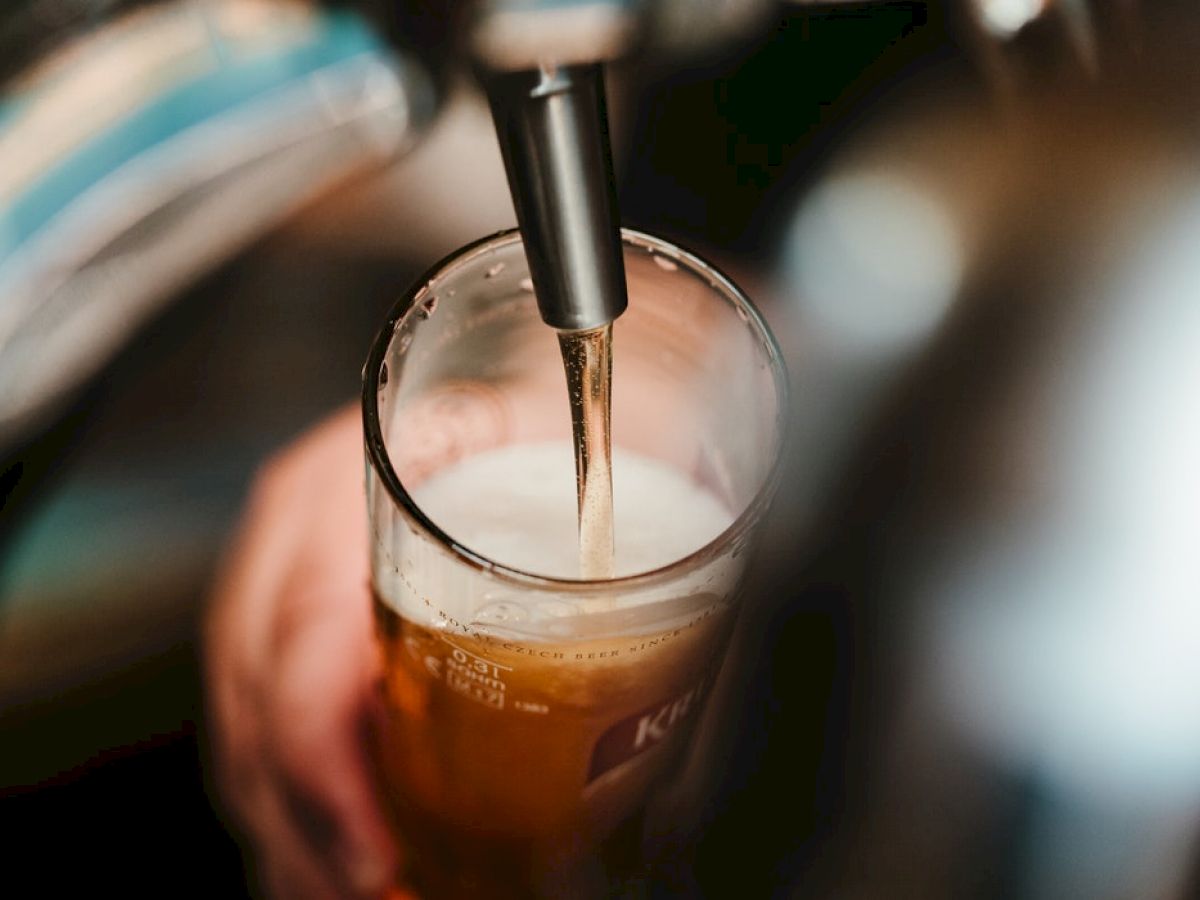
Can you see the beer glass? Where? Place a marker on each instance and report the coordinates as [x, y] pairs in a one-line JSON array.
[[531, 715]]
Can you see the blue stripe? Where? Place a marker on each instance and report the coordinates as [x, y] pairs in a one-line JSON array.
[[340, 36]]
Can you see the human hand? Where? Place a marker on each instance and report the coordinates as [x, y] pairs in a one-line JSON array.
[[291, 670]]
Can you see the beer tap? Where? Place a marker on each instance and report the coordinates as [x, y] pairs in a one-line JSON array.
[[547, 100]]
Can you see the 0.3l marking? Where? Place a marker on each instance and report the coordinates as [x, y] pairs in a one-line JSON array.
[[475, 677]]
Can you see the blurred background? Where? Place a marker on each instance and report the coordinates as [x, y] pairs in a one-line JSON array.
[[970, 669]]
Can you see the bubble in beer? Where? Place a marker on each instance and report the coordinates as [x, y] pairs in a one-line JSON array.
[[667, 265], [495, 270], [428, 308], [504, 611]]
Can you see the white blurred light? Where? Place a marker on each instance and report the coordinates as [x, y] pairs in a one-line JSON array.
[[1004, 18], [873, 262], [1076, 646], [1055, 663]]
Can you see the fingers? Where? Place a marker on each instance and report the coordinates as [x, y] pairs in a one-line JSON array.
[[317, 733], [291, 668], [285, 865], [238, 627]]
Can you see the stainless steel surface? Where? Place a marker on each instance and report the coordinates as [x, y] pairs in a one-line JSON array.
[[553, 135]]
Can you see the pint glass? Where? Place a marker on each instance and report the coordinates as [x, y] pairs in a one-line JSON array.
[[532, 715]]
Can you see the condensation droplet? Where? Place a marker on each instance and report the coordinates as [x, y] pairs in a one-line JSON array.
[[428, 308], [526, 284], [405, 341], [667, 265], [557, 609], [502, 611], [742, 314], [494, 270]]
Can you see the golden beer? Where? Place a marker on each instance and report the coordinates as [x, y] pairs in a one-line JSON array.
[[509, 765]]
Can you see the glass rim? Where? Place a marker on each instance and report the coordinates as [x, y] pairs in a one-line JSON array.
[[378, 458]]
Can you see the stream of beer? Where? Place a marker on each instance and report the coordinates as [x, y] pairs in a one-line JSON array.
[[587, 359]]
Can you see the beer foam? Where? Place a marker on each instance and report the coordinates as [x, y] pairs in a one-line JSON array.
[[516, 505]]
